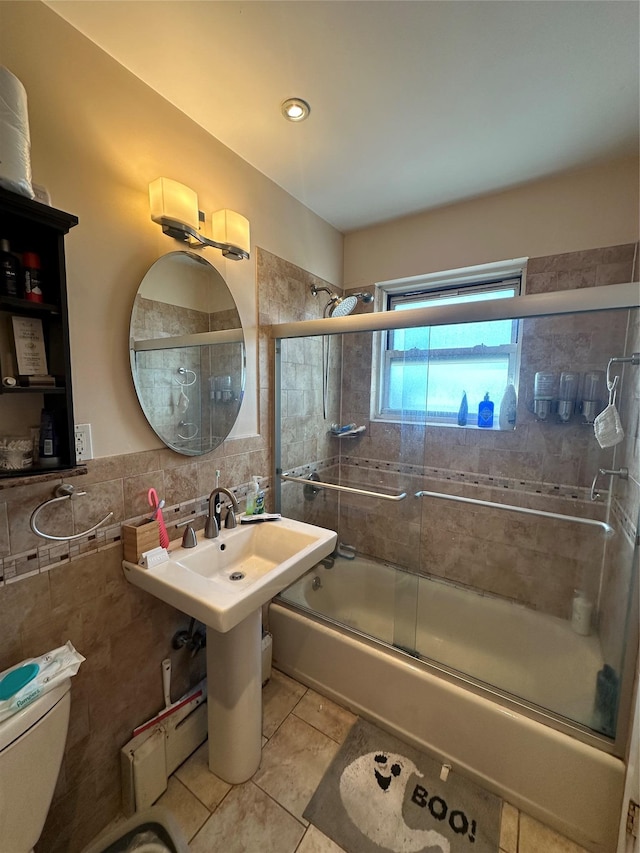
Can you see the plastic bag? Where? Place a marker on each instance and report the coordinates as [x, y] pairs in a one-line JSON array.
[[24, 683]]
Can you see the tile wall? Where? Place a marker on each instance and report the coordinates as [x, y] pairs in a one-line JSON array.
[[51, 592], [541, 465], [54, 592]]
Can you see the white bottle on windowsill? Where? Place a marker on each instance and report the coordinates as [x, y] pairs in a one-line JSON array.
[[581, 611]]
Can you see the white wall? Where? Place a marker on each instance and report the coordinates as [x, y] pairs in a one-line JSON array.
[[98, 137], [585, 209]]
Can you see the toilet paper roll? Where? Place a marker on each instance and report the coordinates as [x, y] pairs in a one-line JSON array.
[[15, 146], [13, 102], [15, 161]]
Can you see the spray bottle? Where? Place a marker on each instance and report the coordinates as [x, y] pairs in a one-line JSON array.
[[259, 497]]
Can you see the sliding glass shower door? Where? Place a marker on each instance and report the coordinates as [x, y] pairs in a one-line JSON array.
[[480, 548]]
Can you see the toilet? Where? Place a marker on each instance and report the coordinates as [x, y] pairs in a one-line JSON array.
[[31, 749]]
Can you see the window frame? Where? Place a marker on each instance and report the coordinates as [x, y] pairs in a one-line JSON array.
[[501, 275]]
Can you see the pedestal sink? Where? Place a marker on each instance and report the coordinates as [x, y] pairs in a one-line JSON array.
[[223, 583]]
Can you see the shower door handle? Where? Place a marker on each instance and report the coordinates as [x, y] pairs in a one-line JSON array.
[[318, 484]]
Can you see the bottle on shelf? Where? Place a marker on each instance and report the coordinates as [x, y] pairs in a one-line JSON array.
[[9, 271], [463, 411], [508, 406], [32, 277], [581, 610], [485, 412], [48, 450]]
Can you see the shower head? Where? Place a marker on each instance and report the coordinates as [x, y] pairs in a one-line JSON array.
[[340, 306]]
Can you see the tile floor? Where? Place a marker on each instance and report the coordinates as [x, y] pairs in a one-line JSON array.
[[302, 732]]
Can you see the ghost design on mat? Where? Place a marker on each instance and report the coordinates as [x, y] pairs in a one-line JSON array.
[[372, 792]]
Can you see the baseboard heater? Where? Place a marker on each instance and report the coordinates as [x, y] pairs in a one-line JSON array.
[[161, 746]]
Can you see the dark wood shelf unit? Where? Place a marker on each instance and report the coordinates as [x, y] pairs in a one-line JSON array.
[[31, 226]]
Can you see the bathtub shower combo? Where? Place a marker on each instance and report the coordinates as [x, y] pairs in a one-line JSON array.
[[482, 600]]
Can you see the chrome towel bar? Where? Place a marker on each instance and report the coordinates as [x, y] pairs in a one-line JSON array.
[[608, 530], [62, 493], [318, 484]]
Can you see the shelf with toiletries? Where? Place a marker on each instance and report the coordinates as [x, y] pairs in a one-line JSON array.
[[346, 430], [36, 403]]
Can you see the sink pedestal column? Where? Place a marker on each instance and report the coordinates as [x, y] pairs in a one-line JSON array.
[[234, 699]]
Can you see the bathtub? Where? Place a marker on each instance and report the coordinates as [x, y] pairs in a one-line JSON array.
[[481, 731]]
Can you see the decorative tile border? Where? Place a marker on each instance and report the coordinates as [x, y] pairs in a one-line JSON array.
[[43, 558], [627, 524], [448, 475], [471, 479], [49, 555]]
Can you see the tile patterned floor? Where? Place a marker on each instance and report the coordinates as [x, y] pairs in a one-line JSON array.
[[302, 732]]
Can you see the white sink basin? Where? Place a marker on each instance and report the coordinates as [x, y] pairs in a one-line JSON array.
[[221, 581]]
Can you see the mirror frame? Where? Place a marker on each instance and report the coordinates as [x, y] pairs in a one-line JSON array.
[[177, 356]]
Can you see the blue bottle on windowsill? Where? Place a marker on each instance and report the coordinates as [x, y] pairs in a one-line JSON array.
[[463, 411], [485, 413]]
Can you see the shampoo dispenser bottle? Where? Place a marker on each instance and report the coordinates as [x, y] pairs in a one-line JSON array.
[[581, 610], [485, 413]]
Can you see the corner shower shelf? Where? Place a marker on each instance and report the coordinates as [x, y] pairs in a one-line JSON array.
[[352, 433]]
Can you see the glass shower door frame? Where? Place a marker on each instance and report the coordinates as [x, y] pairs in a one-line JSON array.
[[538, 305]]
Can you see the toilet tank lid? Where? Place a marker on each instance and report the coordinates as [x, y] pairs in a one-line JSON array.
[[17, 724]]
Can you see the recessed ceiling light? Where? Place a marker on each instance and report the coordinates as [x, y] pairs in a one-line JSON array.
[[295, 109]]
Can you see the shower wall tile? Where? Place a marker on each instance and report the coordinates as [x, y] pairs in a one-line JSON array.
[[4, 531], [574, 279], [540, 282], [613, 273]]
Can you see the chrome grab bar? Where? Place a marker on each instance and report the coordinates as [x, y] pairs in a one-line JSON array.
[[318, 484], [63, 492], [608, 530]]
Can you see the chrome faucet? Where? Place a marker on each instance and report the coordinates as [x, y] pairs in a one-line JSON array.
[[212, 524]]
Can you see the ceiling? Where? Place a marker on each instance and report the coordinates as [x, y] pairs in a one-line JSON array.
[[414, 105]]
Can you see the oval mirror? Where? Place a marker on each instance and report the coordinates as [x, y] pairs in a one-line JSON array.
[[187, 353]]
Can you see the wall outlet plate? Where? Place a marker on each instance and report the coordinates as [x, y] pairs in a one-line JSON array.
[[84, 447]]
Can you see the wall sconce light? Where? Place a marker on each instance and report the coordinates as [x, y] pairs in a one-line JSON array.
[[175, 207]]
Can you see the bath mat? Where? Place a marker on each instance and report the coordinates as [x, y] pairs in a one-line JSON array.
[[381, 794]]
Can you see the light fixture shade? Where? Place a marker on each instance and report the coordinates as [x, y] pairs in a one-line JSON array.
[[231, 228], [171, 201]]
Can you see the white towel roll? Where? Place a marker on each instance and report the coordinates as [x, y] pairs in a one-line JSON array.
[[15, 145]]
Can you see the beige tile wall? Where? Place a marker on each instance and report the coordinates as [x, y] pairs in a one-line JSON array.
[[541, 465], [53, 592]]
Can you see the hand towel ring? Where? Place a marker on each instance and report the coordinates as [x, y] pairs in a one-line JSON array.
[[62, 493]]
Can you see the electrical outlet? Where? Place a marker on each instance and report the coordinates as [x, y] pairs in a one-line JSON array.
[[84, 447]]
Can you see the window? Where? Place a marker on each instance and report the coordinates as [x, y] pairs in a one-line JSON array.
[[424, 372]]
